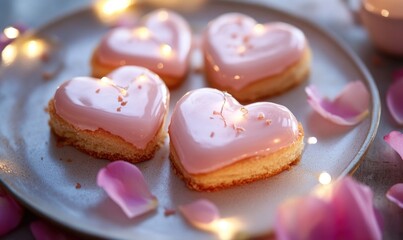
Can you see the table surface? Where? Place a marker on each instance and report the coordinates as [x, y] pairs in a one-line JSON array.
[[381, 168]]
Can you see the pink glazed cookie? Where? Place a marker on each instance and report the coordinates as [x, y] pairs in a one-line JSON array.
[[160, 42], [251, 60], [118, 117], [216, 143]]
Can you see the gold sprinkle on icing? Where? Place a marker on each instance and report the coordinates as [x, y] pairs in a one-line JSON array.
[[244, 111], [261, 116], [240, 129]]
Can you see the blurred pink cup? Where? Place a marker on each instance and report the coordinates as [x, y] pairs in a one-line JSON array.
[[384, 21]]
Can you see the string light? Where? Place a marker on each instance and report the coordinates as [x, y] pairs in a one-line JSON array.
[[241, 49], [369, 7], [165, 50], [385, 13], [312, 140], [110, 10], [259, 29], [34, 48], [325, 178], [112, 7], [163, 15], [238, 116], [11, 32], [225, 228], [108, 81], [9, 54], [143, 33], [142, 78]]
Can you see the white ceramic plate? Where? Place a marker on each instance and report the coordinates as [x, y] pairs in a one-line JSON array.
[[43, 176]]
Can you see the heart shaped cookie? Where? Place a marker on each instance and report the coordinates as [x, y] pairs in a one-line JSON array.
[[252, 60], [125, 109], [216, 142], [161, 42]]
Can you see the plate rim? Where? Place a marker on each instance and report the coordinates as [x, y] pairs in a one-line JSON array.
[[374, 116]]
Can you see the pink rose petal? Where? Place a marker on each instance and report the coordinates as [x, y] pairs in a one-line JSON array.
[[125, 185], [44, 231], [201, 211], [303, 218], [348, 108], [345, 211], [355, 214], [10, 213], [394, 100], [395, 140], [395, 194]]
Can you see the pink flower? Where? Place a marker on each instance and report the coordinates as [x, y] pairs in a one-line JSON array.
[[126, 186], [394, 97], [395, 141], [342, 210], [10, 213], [348, 108]]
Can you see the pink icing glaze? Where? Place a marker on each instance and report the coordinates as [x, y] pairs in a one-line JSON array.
[[205, 142], [142, 45], [131, 105], [238, 51]]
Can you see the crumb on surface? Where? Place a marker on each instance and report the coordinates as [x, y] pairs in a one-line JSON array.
[[377, 60], [44, 57], [169, 211], [261, 116], [78, 185], [47, 75]]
